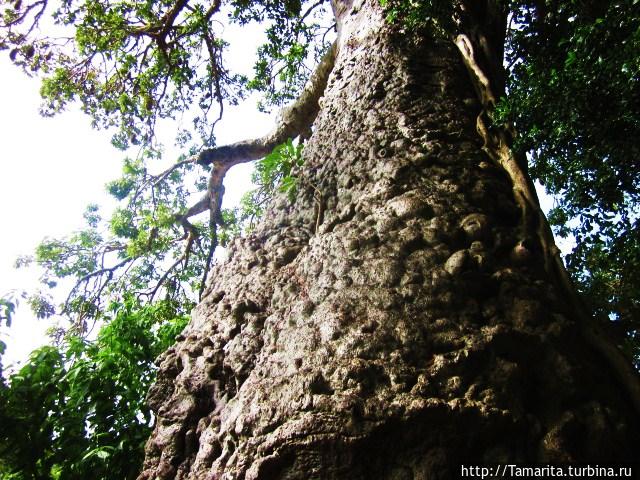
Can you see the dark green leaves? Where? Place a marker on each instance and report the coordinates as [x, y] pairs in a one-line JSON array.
[[574, 96], [77, 411]]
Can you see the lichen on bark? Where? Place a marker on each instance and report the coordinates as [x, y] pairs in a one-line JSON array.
[[406, 334]]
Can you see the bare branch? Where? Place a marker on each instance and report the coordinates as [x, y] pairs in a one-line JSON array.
[[84, 280], [215, 73], [23, 15], [311, 9], [158, 179], [185, 256], [200, 206], [215, 6]]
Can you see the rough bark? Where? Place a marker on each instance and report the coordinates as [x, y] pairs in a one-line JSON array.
[[414, 329]]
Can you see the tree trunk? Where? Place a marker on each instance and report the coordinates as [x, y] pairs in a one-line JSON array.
[[395, 320]]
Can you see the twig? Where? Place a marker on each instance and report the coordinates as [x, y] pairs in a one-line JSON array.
[[184, 256], [158, 179], [89, 276]]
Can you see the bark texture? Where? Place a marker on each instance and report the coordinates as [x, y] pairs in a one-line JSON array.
[[412, 330]]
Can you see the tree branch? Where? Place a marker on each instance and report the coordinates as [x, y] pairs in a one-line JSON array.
[[311, 9], [185, 256], [170, 17], [158, 179], [109, 271], [293, 120]]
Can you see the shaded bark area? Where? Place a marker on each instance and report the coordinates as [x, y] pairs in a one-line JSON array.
[[412, 330]]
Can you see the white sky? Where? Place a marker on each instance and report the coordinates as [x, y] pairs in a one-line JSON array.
[[52, 168]]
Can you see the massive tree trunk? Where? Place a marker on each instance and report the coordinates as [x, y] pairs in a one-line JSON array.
[[399, 317]]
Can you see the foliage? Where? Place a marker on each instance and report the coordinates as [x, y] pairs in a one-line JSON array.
[[129, 62], [132, 62], [8, 305], [436, 15], [77, 411], [281, 69], [137, 250], [574, 97], [274, 173], [7, 309], [573, 94]]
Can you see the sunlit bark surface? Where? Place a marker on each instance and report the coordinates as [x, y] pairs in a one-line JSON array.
[[391, 322]]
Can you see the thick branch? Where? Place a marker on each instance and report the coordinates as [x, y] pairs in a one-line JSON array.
[[215, 6], [160, 29], [293, 120], [171, 15], [215, 192]]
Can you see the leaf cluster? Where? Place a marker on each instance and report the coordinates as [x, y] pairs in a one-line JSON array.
[[7, 309], [277, 172], [132, 62], [77, 410], [129, 63], [139, 249], [293, 35]]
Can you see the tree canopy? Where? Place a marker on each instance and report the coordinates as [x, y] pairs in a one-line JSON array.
[[572, 92], [574, 97]]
